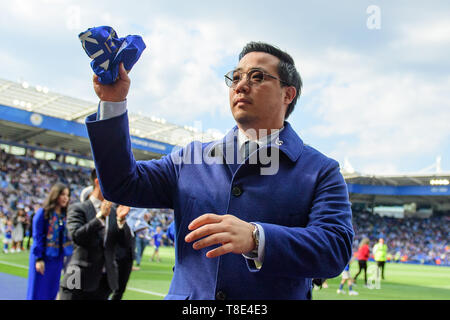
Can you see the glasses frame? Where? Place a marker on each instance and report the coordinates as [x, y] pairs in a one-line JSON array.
[[249, 83]]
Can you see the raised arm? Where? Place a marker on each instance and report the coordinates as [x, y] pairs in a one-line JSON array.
[[124, 180]]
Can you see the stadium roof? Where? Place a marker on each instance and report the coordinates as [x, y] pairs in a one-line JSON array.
[[39, 100], [420, 188], [412, 179]]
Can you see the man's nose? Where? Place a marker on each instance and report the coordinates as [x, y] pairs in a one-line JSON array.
[[242, 85]]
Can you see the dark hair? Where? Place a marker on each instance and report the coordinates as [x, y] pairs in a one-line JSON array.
[[52, 199], [286, 68], [93, 177]]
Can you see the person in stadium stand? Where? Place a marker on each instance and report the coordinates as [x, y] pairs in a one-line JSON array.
[[51, 243], [96, 227], [379, 255], [362, 256], [241, 234]]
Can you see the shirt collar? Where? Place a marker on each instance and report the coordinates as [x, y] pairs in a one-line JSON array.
[[96, 202], [261, 142], [286, 140]]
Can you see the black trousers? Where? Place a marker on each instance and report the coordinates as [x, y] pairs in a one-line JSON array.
[[362, 266], [125, 266], [380, 265], [101, 293]]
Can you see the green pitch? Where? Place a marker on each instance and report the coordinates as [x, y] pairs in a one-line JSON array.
[[402, 281]]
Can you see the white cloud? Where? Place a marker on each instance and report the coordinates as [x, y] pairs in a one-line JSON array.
[[391, 116], [435, 33], [177, 71]]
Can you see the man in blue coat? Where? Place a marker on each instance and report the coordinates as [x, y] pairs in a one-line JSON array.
[[257, 214]]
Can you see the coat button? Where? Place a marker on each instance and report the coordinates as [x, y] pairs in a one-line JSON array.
[[220, 295], [236, 191]]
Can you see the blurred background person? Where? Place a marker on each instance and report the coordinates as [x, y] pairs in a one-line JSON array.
[[138, 220], [380, 254], [347, 278], [8, 235], [171, 232], [19, 226], [51, 243], [157, 238], [362, 256], [125, 255]]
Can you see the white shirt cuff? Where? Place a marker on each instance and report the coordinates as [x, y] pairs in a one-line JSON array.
[[121, 224], [99, 217], [108, 109]]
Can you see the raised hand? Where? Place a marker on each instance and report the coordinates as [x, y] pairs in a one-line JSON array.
[[116, 91], [122, 212], [105, 208]]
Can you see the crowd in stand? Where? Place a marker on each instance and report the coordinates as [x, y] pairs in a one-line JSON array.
[[408, 239], [24, 182]]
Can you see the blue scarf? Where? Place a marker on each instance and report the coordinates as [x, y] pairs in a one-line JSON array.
[[107, 51], [54, 241]]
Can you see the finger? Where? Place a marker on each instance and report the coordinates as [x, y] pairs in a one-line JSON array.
[[123, 73], [204, 219], [124, 209], [217, 238], [224, 249], [95, 79], [204, 231]]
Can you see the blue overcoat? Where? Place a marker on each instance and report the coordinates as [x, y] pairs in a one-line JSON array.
[[46, 286], [303, 208]]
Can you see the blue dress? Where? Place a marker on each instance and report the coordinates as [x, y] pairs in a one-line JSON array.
[[46, 286]]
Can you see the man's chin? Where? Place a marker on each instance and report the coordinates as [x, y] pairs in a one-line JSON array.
[[244, 118]]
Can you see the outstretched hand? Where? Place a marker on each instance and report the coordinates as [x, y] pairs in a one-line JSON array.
[[116, 91]]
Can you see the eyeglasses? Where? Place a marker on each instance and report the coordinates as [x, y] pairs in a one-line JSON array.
[[254, 77]]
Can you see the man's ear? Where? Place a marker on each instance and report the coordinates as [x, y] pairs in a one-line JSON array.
[[289, 95]]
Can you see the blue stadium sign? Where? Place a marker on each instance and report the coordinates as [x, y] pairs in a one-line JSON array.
[[73, 128], [399, 190]]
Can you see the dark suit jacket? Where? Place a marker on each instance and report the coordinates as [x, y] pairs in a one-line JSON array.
[[91, 252]]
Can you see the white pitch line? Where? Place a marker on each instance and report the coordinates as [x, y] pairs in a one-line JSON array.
[[128, 288], [147, 292], [13, 265]]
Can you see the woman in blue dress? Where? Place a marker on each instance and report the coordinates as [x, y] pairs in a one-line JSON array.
[[51, 243]]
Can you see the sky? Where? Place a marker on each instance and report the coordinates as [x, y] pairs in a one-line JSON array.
[[376, 74]]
